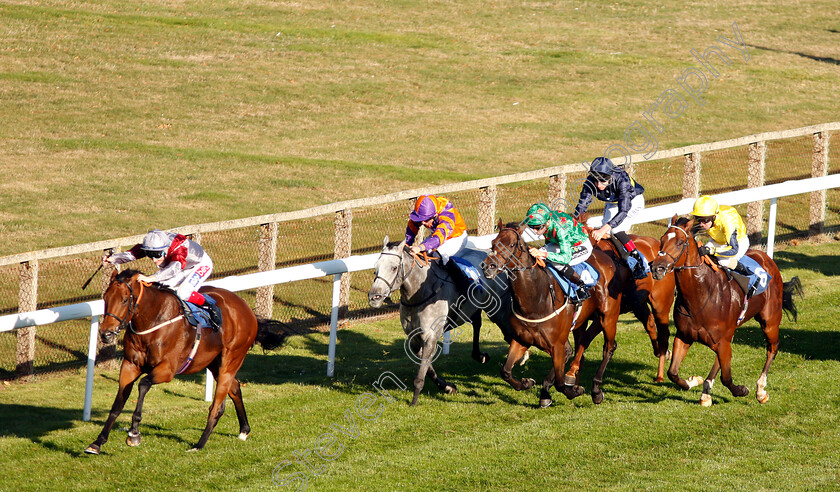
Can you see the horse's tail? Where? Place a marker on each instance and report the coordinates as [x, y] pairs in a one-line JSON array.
[[789, 288], [271, 333]]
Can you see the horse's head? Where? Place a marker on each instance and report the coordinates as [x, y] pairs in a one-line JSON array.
[[509, 251], [120, 298], [389, 272], [675, 247]]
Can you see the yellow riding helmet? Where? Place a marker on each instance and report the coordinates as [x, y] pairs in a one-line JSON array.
[[705, 206]]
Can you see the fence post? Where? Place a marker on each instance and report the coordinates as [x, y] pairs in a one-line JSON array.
[[819, 167], [755, 178], [691, 176], [343, 249], [27, 301], [107, 353], [557, 192], [486, 210], [266, 260]]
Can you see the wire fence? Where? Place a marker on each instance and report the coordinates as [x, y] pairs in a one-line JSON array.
[[45, 279]]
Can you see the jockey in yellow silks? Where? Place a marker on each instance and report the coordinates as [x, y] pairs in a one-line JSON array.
[[727, 232]]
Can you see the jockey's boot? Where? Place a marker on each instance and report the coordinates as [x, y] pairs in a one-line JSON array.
[[740, 268], [214, 312], [457, 276], [582, 293], [639, 269]]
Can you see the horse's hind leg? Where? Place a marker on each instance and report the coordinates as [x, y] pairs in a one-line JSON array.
[[609, 349], [515, 353], [235, 394], [128, 374], [706, 397], [224, 384], [772, 336]]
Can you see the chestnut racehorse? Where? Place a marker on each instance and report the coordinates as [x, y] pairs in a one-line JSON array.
[[543, 316], [160, 343], [708, 304], [650, 300]]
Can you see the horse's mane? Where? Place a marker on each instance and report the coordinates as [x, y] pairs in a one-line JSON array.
[[127, 274], [393, 244], [681, 221], [513, 225]]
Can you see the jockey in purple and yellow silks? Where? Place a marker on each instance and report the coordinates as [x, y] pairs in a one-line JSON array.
[[449, 232]]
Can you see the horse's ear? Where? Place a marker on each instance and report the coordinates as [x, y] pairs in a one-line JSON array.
[[114, 274], [385, 242], [501, 224]]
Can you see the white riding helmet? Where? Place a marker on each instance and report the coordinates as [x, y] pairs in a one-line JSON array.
[[156, 240]]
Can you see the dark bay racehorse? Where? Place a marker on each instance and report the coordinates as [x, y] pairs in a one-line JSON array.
[[649, 300], [159, 342], [542, 316], [708, 305], [430, 304]]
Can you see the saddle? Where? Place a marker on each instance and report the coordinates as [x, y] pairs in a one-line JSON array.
[[586, 272], [196, 315]]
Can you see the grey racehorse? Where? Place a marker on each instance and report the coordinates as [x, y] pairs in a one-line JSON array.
[[430, 305]]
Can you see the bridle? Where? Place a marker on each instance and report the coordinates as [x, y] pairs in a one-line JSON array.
[[513, 253], [683, 251], [402, 274], [132, 307], [399, 274]]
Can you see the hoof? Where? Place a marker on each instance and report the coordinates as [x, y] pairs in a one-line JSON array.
[[573, 392], [133, 441], [92, 449], [763, 398], [668, 355], [659, 380], [483, 358], [740, 391], [545, 402], [450, 389], [528, 383], [705, 400], [243, 436], [193, 450], [694, 381], [569, 380], [597, 397]]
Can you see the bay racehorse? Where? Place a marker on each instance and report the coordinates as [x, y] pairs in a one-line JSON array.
[[430, 304], [160, 343], [649, 299], [543, 316], [708, 304]]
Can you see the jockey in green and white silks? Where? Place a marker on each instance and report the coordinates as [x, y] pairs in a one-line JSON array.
[[566, 243]]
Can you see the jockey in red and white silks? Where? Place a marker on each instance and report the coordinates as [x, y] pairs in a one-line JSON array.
[[182, 265]]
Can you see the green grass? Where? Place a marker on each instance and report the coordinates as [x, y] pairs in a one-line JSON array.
[[489, 437], [118, 111]]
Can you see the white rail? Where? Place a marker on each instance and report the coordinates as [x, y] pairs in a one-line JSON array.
[[94, 309]]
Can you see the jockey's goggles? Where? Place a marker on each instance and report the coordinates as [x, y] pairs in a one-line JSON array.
[[154, 254], [708, 218], [601, 178]]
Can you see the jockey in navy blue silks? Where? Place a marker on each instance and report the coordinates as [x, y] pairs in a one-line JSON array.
[[624, 200]]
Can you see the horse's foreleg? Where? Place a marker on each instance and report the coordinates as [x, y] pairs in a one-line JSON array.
[[426, 354], [128, 374], [583, 337], [515, 353], [680, 350], [160, 374], [548, 382], [706, 396], [609, 349], [724, 353], [477, 354]]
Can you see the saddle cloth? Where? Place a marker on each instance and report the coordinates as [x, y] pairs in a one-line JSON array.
[[760, 278], [469, 261], [586, 272], [196, 315]]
